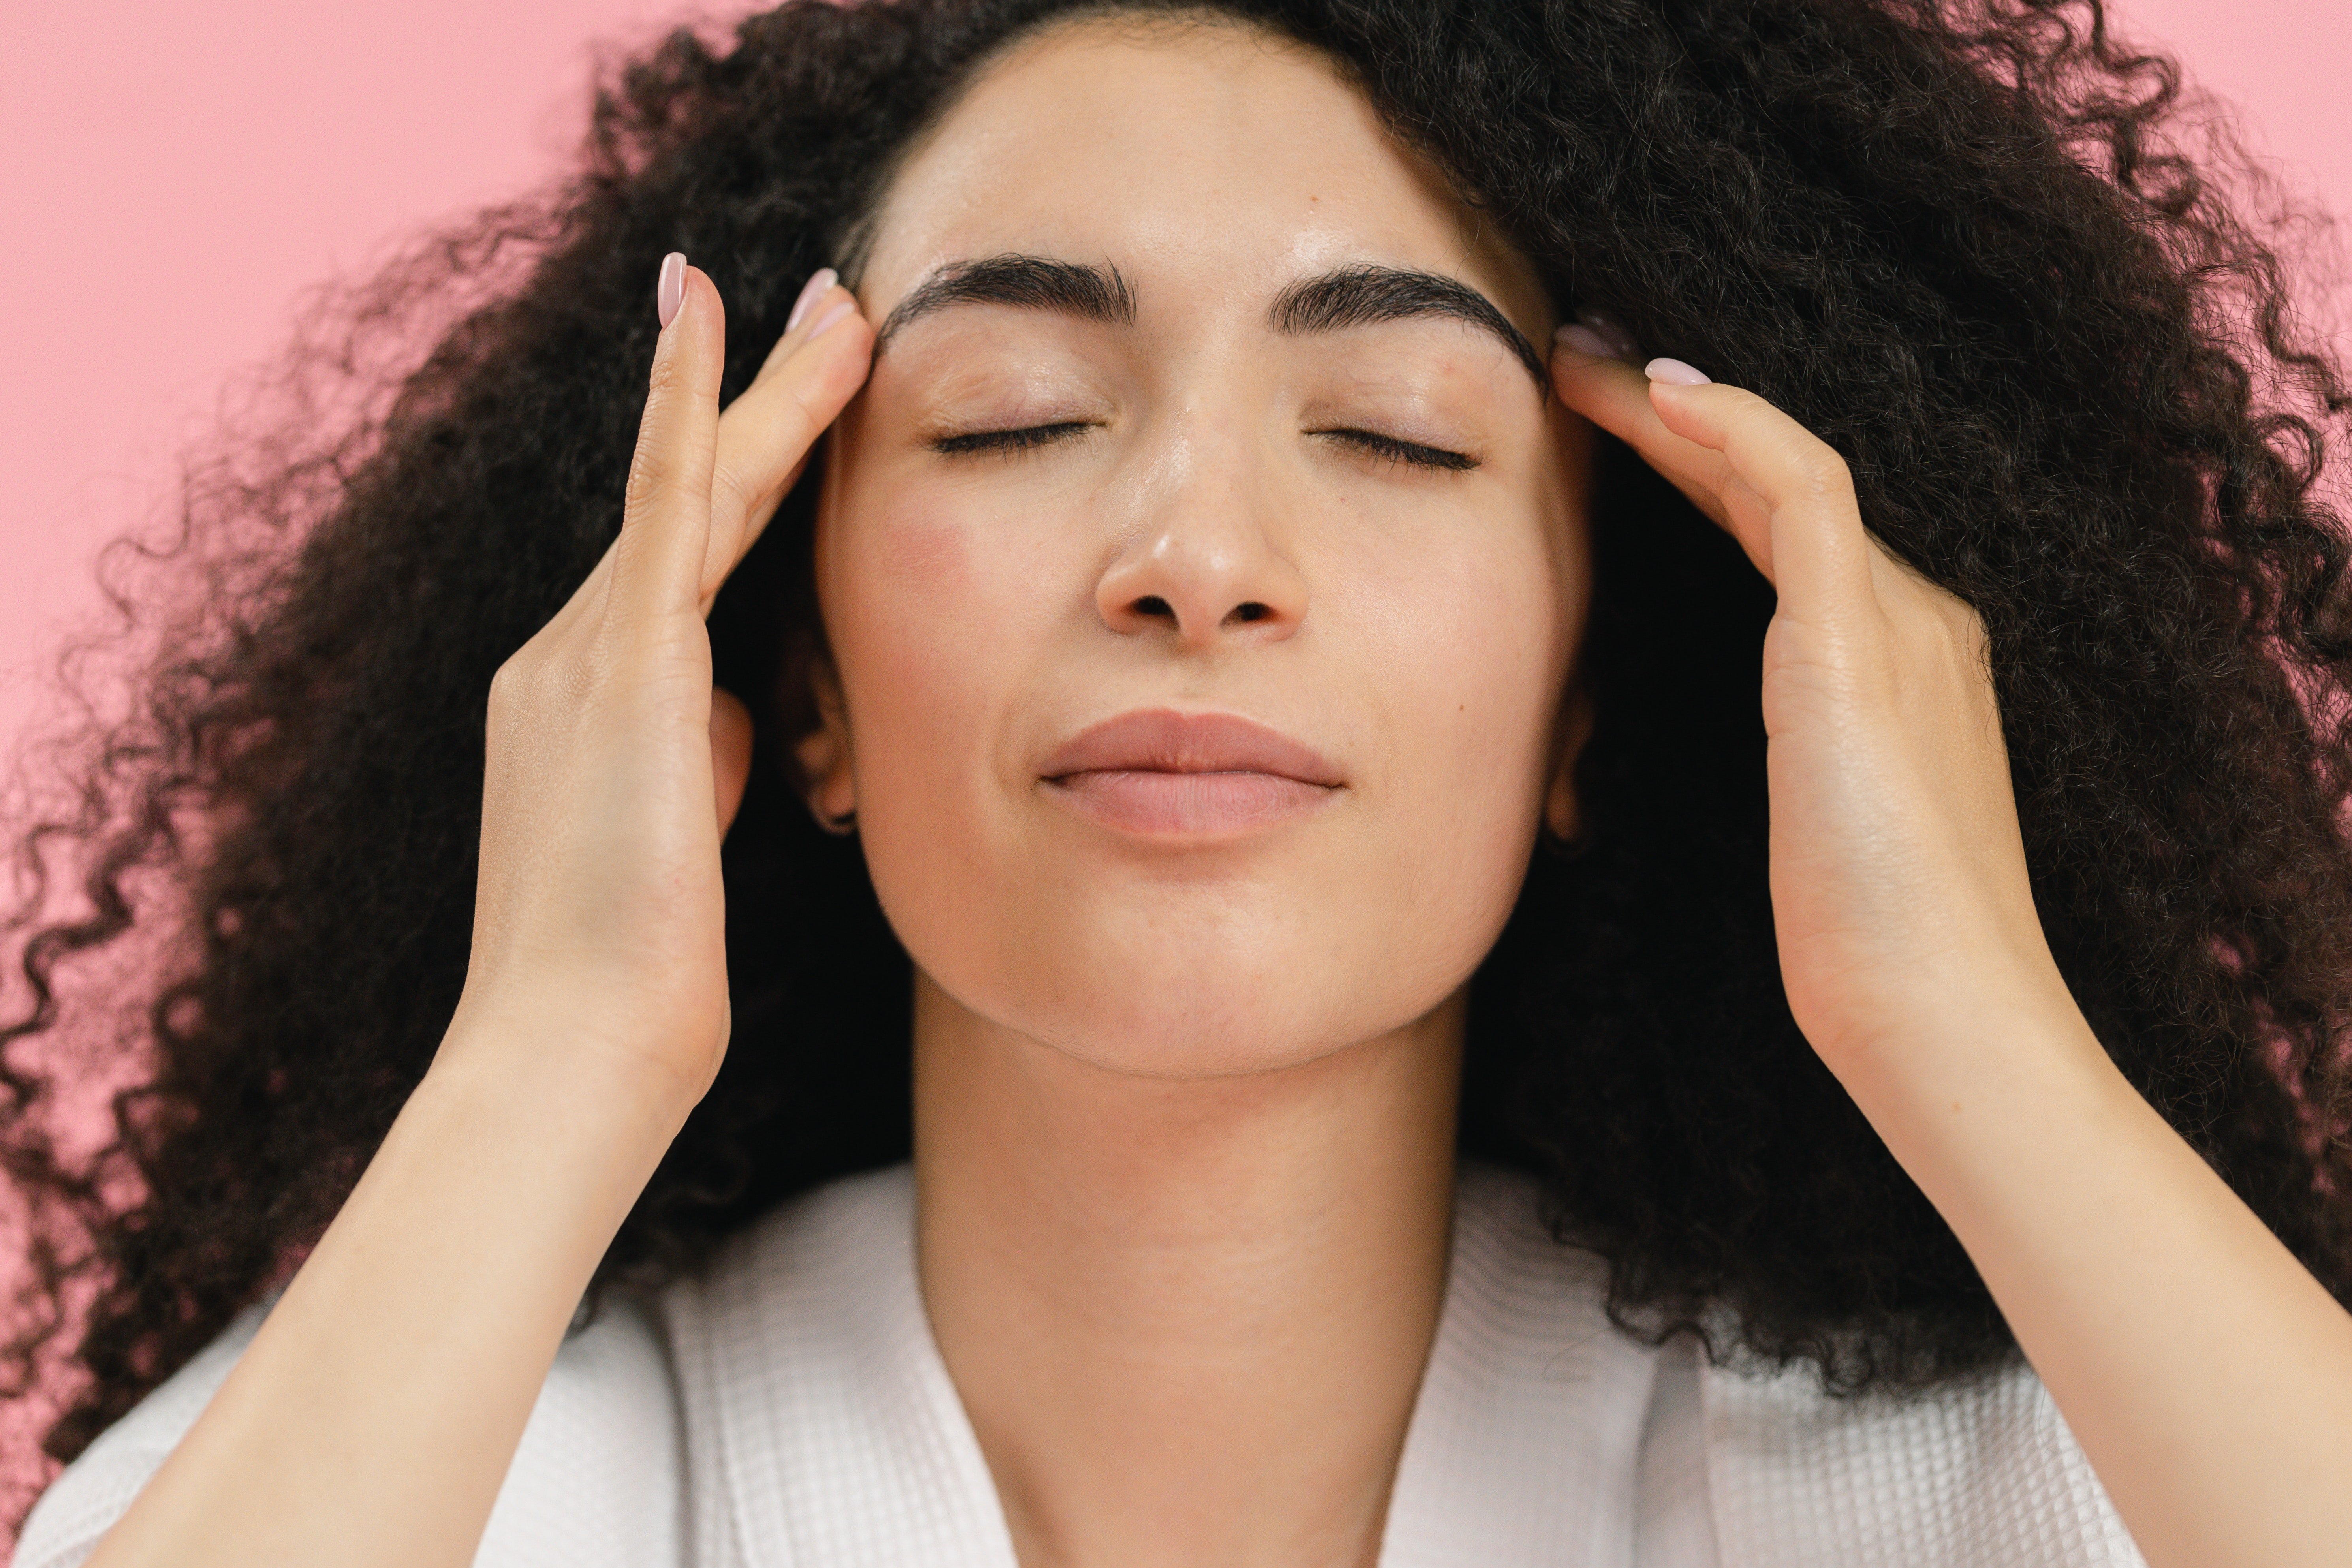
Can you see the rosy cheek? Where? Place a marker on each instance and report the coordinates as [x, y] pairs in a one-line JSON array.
[[924, 557], [913, 577], [931, 659]]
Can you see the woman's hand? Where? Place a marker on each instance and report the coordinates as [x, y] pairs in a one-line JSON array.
[[373, 1417], [613, 766], [2205, 1373], [1899, 886]]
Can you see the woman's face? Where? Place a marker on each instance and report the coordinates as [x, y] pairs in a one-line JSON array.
[[1202, 562]]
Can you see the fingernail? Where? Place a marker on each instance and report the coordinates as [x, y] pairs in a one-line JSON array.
[[1675, 373], [819, 281], [1585, 341], [670, 292], [1621, 342], [830, 317]]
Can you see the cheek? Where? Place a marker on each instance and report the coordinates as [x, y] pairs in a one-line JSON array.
[[1460, 643], [1469, 640], [926, 557], [938, 613], [911, 604]]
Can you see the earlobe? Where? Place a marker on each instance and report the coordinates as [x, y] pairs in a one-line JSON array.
[[1563, 814], [825, 758], [831, 789], [1560, 816], [730, 753]]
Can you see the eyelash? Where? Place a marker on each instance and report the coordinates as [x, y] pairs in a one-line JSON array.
[[1412, 453], [1019, 440]]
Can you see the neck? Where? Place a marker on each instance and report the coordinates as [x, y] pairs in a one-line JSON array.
[[1188, 1316]]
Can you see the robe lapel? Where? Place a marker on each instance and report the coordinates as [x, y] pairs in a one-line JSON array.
[[823, 1430], [1526, 1436]]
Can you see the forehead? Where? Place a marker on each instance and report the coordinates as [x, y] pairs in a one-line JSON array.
[[1195, 150]]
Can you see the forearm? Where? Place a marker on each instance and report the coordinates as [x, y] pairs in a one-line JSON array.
[[373, 1417], [2205, 1373]]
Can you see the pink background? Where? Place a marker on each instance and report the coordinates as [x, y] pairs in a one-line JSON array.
[[177, 175]]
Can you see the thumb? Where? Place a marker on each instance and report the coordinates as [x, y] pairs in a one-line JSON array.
[[730, 753]]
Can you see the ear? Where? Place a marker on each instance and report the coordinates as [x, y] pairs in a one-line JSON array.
[[1563, 816], [730, 753], [824, 754]]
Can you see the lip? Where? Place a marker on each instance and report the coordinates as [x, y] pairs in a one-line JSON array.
[[1164, 774]]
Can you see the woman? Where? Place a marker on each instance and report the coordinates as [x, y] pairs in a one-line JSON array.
[[1171, 572]]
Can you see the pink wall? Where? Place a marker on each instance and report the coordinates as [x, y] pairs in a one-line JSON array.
[[176, 174]]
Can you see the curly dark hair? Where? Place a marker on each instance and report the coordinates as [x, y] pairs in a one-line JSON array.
[[1960, 239]]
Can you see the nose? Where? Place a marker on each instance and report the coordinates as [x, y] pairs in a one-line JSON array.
[[1203, 570]]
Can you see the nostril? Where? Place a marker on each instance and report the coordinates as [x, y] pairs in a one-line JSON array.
[[1252, 611], [1154, 604]]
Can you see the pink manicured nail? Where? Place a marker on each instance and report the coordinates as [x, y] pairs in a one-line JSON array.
[[819, 281], [1621, 342], [670, 292], [1675, 373], [1585, 341], [830, 317]]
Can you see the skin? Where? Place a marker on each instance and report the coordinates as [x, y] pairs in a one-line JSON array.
[[1183, 1109]]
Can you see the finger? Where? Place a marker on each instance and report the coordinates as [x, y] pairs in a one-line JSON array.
[[765, 434], [665, 520], [1616, 396], [1788, 483], [730, 753]]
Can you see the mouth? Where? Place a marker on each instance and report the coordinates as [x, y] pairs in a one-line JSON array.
[[1163, 774]]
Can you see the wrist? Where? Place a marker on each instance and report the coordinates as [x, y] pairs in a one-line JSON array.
[[1954, 1012], [1976, 1092], [567, 1079], [606, 1063]]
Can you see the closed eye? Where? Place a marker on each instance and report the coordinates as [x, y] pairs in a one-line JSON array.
[[1411, 452], [1019, 440], [1371, 442]]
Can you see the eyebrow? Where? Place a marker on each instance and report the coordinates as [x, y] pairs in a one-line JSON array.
[[1359, 296], [1366, 295], [1027, 282]]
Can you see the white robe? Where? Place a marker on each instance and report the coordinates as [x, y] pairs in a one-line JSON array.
[[789, 1409]]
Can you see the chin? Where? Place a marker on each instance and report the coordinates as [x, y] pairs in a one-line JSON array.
[[1164, 1007], [1227, 1035], [1253, 960]]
